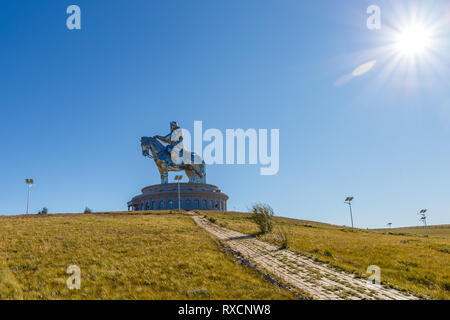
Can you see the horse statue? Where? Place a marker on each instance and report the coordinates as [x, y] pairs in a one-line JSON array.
[[170, 158]]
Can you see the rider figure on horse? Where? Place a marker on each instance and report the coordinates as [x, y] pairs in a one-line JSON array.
[[168, 138], [169, 155]]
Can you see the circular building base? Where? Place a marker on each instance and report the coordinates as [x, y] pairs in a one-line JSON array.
[[193, 196]]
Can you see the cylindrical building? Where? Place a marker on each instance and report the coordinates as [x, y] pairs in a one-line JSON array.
[[194, 196]]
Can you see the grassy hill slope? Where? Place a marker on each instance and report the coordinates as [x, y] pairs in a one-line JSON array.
[[9, 288], [407, 259], [121, 256], [435, 232]]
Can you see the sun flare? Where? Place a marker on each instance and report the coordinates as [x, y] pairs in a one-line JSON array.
[[413, 41]]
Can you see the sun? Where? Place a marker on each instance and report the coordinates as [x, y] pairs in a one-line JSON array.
[[413, 41], [409, 51]]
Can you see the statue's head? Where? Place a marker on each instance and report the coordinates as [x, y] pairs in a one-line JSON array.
[[173, 126]]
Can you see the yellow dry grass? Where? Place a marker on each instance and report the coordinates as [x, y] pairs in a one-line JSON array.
[[121, 256], [407, 259], [9, 288]]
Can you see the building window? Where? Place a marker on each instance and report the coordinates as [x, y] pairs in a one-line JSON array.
[[196, 204], [170, 204], [188, 204], [204, 205], [147, 206], [142, 207], [161, 205], [211, 204], [153, 205]]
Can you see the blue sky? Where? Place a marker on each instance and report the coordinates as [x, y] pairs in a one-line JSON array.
[[74, 104]]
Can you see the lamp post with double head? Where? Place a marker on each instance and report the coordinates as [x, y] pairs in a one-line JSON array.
[[348, 201], [424, 220]]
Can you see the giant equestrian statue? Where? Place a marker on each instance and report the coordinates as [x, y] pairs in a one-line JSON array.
[[169, 155], [172, 156]]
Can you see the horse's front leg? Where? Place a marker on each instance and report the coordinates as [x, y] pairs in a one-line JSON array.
[[164, 173]]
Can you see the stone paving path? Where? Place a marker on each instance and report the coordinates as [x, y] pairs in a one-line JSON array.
[[301, 274]]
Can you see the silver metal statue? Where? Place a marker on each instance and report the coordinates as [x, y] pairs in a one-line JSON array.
[[172, 157]]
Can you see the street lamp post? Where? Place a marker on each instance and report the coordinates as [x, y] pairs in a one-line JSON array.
[[424, 220], [348, 201], [178, 179], [29, 183]]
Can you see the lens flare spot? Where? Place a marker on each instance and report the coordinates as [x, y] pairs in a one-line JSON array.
[[364, 68]]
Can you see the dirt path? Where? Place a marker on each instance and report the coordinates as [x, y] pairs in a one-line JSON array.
[[310, 279]]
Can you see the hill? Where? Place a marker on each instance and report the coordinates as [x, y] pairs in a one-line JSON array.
[[160, 255], [121, 256], [407, 259]]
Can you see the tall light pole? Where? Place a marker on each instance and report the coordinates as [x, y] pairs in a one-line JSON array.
[[424, 220], [348, 201], [29, 183], [178, 179]]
